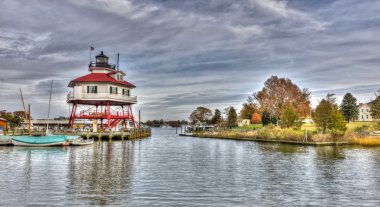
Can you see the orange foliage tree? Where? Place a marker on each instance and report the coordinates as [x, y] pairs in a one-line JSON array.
[[256, 118]]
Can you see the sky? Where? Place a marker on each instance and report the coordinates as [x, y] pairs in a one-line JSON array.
[[189, 53]]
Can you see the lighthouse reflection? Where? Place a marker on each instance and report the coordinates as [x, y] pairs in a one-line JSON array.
[[98, 175]]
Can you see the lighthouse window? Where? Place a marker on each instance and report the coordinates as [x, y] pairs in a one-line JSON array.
[[126, 92], [92, 89], [113, 90]]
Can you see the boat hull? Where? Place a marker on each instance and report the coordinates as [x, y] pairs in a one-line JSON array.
[[23, 144]]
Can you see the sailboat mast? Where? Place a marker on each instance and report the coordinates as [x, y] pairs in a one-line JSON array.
[[23, 104], [48, 118]]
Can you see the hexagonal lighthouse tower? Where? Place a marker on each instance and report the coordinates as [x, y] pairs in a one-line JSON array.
[[103, 95]]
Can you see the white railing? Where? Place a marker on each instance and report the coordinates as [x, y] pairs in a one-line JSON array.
[[101, 96]]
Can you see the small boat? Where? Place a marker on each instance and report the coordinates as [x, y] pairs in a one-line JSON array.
[[82, 142], [5, 140], [42, 141]]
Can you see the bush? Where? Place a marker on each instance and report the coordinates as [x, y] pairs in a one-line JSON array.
[[320, 137], [256, 118], [275, 133]]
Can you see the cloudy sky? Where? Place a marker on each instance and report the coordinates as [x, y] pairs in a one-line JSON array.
[[182, 54]]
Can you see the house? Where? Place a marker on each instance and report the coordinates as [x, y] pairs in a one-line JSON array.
[[365, 112], [3, 124], [244, 122], [307, 120]]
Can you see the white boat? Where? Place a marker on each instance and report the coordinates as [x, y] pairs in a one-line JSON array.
[[82, 142]]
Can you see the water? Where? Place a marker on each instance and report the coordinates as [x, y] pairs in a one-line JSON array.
[[167, 170]]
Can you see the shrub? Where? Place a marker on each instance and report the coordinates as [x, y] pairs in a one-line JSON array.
[[320, 137], [256, 118]]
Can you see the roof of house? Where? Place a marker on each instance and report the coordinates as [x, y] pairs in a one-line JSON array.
[[101, 78], [3, 119], [368, 104]]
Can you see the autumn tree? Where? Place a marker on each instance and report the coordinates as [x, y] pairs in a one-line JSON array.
[[256, 118], [217, 118], [278, 93], [289, 116], [349, 107], [375, 108], [232, 117], [249, 108], [200, 115], [328, 116]]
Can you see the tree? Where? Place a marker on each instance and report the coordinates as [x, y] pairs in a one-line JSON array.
[[278, 93], [375, 108], [217, 118], [12, 119], [232, 117], [327, 115], [200, 115], [349, 107], [249, 108], [266, 119], [337, 125], [256, 118], [289, 116]]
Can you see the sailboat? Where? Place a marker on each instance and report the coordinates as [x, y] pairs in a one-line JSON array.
[[43, 141]]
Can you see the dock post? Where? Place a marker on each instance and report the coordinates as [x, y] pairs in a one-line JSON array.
[[110, 135], [88, 135], [99, 136], [122, 135]]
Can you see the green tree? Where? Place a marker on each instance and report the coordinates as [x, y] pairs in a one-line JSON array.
[[200, 115], [349, 107], [265, 118], [13, 120], [232, 117], [217, 118], [375, 108], [289, 116], [328, 117], [337, 125], [268, 119]]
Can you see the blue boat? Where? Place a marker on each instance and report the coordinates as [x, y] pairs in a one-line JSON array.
[[43, 141]]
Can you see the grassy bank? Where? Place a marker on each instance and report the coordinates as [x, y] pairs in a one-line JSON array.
[[359, 133]]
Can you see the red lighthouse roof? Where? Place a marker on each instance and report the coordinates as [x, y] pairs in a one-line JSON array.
[[99, 78]]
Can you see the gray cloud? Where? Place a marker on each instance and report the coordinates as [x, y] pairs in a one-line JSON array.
[[182, 54]]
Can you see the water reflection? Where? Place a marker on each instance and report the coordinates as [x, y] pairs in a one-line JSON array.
[[99, 175], [168, 170], [283, 148]]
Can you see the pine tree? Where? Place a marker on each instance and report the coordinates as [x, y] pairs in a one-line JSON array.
[[217, 118], [349, 108], [232, 117]]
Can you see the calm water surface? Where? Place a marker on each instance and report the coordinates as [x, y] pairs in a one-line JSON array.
[[167, 170]]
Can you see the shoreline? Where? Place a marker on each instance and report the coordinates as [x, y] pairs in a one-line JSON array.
[[275, 141]]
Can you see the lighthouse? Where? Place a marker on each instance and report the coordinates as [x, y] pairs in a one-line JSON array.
[[103, 95]]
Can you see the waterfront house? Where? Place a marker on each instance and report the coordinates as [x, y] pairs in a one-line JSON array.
[[244, 122], [365, 112]]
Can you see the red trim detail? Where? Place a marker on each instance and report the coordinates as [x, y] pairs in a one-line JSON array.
[[112, 114], [99, 78]]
